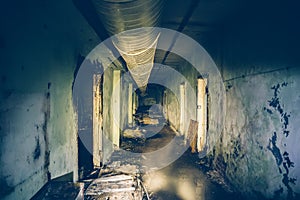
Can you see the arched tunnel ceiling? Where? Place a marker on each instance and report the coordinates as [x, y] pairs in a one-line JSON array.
[[204, 12], [198, 19]]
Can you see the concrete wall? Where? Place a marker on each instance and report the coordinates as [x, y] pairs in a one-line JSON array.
[[257, 55], [253, 132], [259, 62], [108, 118], [125, 80], [40, 42], [172, 109], [100, 61], [107, 121], [177, 75]]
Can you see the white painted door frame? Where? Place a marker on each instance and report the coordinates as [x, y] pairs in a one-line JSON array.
[[116, 106], [201, 113], [97, 120], [130, 105], [182, 108]]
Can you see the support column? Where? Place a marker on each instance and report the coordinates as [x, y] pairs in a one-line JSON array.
[[201, 113], [182, 109], [130, 107], [97, 120], [116, 108]]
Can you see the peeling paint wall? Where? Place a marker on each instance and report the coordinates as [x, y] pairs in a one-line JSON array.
[[260, 67], [258, 144], [259, 62], [38, 136], [23, 145]]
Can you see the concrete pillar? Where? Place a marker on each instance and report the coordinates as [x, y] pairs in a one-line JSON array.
[[116, 108], [97, 120], [182, 109], [201, 113], [130, 105]]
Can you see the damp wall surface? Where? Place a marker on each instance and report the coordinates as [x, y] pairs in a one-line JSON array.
[[259, 61], [173, 77], [253, 132], [40, 44], [107, 117]]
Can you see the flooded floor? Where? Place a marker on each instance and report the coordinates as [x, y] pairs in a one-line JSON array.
[[182, 179]]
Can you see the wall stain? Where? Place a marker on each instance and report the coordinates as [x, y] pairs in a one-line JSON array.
[[283, 161], [28, 159], [228, 86], [46, 110], [277, 193], [275, 150], [37, 151], [6, 189], [237, 148], [49, 85], [268, 110]]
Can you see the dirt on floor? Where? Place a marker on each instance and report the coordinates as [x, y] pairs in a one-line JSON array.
[[181, 179]]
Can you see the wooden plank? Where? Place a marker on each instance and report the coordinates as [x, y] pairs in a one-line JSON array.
[[115, 186], [114, 178], [109, 190], [192, 135]]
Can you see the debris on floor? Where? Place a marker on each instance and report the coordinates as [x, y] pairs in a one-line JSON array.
[[149, 115], [133, 133], [117, 181], [147, 120], [58, 190], [119, 186], [192, 135]]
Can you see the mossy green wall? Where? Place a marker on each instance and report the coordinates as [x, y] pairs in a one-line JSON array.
[[40, 43]]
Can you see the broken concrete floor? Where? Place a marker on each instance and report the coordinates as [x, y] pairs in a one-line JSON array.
[[128, 178]]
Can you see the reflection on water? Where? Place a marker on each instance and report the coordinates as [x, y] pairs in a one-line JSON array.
[[182, 179]]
